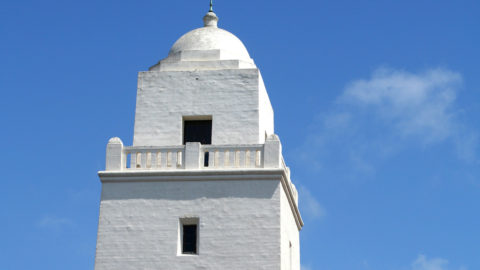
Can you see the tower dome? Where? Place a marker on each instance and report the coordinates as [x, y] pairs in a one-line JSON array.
[[206, 44], [211, 38]]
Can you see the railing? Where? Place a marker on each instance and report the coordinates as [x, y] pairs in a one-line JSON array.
[[194, 156], [214, 156], [238, 156], [165, 158]]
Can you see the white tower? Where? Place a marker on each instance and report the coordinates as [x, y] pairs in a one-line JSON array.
[[204, 185]]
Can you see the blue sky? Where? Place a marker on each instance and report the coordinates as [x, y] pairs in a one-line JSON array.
[[377, 104]]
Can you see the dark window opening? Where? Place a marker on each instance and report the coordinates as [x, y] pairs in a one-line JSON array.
[[189, 241], [205, 159], [197, 131]]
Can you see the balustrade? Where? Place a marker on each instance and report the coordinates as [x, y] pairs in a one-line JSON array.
[[194, 156], [167, 158], [246, 156]]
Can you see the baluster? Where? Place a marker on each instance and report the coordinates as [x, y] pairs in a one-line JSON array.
[[159, 159], [237, 158], [169, 159], [221, 159], [138, 160], [232, 158], [226, 160], [247, 158], [153, 160], [211, 159], [174, 159], [241, 159], [215, 158], [143, 160], [179, 159], [164, 159], [148, 160], [258, 158]]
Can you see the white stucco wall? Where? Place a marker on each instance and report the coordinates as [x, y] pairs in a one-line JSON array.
[[239, 225], [290, 234], [235, 98]]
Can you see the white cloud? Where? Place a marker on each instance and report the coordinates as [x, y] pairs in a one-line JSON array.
[[377, 117], [309, 204], [413, 104], [424, 263], [54, 222]]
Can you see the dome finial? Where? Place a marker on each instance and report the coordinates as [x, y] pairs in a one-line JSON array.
[[210, 19]]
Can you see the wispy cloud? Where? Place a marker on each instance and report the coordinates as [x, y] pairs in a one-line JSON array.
[[424, 263], [50, 222], [309, 205], [374, 118], [414, 104]]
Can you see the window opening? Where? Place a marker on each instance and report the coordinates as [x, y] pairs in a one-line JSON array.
[[188, 240], [197, 131]]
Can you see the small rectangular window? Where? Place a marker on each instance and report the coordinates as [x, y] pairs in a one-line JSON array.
[[188, 241]]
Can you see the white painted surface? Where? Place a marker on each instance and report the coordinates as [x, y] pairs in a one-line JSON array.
[[211, 38], [206, 48], [289, 234], [239, 225], [115, 160], [231, 97]]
